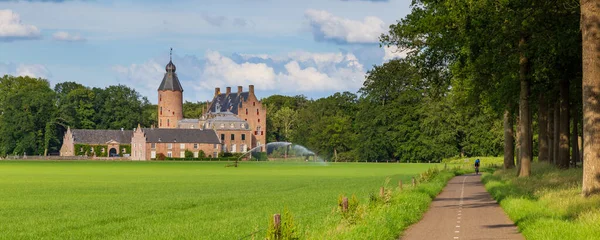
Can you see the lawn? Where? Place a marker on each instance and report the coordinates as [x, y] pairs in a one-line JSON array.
[[175, 200], [548, 204]]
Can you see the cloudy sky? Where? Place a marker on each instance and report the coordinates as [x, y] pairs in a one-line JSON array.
[[288, 47]]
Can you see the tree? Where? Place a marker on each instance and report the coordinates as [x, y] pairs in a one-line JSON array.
[[590, 29], [26, 108], [283, 120]]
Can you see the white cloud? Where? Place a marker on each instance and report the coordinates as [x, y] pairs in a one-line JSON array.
[[67, 37], [393, 52], [326, 26], [296, 73], [31, 70], [11, 27]]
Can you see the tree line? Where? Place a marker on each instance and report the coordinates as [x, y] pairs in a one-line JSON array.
[[533, 62], [34, 116]]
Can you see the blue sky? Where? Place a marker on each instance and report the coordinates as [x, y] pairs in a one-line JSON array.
[[289, 47]]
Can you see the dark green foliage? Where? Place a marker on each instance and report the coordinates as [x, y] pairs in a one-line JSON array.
[[127, 148], [189, 154], [161, 156]]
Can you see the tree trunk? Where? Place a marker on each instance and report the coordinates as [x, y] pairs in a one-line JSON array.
[[590, 30], [509, 150], [556, 132], [543, 129], [574, 139], [550, 132], [563, 150], [518, 147], [524, 112]]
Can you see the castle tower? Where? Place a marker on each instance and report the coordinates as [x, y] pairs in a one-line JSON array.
[[170, 98]]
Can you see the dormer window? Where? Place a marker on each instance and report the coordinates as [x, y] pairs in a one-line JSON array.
[[231, 125], [242, 125], [222, 125]]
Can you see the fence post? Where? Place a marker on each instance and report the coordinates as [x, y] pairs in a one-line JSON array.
[[414, 182], [276, 221], [345, 204], [400, 184], [381, 191]]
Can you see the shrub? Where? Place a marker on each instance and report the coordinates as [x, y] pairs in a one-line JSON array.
[[286, 230], [161, 157], [189, 154], [201, 155]]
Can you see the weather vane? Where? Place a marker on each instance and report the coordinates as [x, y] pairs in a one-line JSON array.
[[171, 55]]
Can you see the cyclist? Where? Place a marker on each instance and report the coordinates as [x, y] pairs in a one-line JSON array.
[[477, 162]]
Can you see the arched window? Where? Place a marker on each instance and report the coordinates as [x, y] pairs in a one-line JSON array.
[[168, 122], [246, 111], [256, 111], [160, 110], [160, 122]]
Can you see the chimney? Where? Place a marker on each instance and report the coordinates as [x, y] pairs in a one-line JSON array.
[[251, 89], [228, 90], [217, 91], [240, 89]]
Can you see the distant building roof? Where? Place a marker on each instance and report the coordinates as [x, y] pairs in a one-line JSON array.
[[228, 102], [180, 135], [228, 121], [188, 120], [170, 80], [90, 136]]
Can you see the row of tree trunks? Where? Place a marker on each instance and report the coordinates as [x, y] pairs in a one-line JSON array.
[[551, 133], [563, 148], [574, 139], [590, 30], [543, 140], [525, 137], [509, 150], [556, 132]]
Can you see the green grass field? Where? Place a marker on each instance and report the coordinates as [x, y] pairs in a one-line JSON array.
[[548, 204], [174, 200]]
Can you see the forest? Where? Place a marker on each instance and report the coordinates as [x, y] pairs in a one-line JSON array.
[[480, 78]]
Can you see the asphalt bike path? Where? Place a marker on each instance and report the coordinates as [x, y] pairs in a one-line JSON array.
[[464, 210]]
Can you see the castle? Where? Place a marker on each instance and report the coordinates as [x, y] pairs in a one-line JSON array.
[[232, 122]]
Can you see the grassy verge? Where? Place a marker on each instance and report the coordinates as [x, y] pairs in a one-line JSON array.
[[547, 205], [388, 216]]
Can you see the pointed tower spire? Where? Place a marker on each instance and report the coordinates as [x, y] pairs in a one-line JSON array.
[[171, 55]]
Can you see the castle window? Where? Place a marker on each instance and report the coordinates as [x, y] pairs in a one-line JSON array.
[[222, 137], [160, 110], [256, 111], [243, 137], [159, 97], [168, 122], [169, 154], [160, 123], [169, 146], [153, 145], [196, 146], [242, 125], [182, 146], [232, 125], [232, 137], [253, 103], [246, 111], [259, 120], [222, 125]]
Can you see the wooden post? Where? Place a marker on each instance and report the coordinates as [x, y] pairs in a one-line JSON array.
[[277, 220], [400, 184], [381, 191], [414, 182], [345, 204]]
